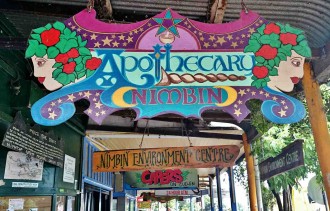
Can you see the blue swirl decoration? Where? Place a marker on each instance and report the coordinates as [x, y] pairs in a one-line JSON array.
[[268, 106]]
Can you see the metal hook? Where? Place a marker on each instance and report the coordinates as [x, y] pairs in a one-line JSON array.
[[90, 5], [184, 127], [244, 7]]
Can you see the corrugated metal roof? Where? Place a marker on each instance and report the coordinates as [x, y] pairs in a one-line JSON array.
[[312, 16]]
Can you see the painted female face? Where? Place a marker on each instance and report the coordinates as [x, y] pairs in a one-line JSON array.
[[43, 69], [289, 73]]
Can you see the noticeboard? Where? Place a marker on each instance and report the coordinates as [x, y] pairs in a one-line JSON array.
[[34, 142]]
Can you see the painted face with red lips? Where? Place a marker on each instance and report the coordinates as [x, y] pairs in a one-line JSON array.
[[43, 69], [289, 73]]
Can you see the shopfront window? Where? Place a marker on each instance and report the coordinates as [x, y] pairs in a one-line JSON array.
[[26, 203]]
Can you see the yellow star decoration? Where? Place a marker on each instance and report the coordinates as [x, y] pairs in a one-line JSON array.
[[253, 93], [115, 44], [201, 38], [234, 44], [129, 39], [241, 92], [87, 94], [267, 94], [230, 37], [52, 115], [282, 113], [89, 111], [53, 104], [221, 40], [97, 45], [237, 112], [121, 37], [84, 35], [71, 97], [93, 37], [79, 29], [98, 105], [274, 98], [206, 44], [243, 35], [212, 38], [251, 30], [106, 41]]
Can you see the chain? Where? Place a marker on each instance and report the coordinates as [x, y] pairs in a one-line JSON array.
[[145, 129], [187, 133], [244, 7]]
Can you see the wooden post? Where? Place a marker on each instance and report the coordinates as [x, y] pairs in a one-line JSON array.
[[250, 174], [318, 121]]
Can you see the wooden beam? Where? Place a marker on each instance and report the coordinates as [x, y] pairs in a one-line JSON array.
[[218, 11], [250, 174], [318, 122]]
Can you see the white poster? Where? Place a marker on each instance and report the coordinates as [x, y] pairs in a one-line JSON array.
[[16, 204], [69, 169], [22, 166]]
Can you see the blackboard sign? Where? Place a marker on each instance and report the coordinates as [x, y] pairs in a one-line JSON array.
[[34, 142], [291, 157]]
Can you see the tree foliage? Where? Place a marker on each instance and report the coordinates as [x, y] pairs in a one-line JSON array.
[[275, 137]]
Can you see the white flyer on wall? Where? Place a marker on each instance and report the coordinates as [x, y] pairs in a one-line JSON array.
[[69, 169], [23, 166]]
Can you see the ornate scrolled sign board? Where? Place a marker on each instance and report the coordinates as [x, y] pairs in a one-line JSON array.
[[167, 64]]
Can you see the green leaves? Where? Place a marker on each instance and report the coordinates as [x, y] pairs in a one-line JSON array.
[[32, 48], [65, 45], [59, 26], [65, 79], [84, 52], [41, 50], [303, 49], [52, 52], [39, 30]]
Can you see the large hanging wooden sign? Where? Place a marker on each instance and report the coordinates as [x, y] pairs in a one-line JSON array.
[[167, 64], [165, 158]]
